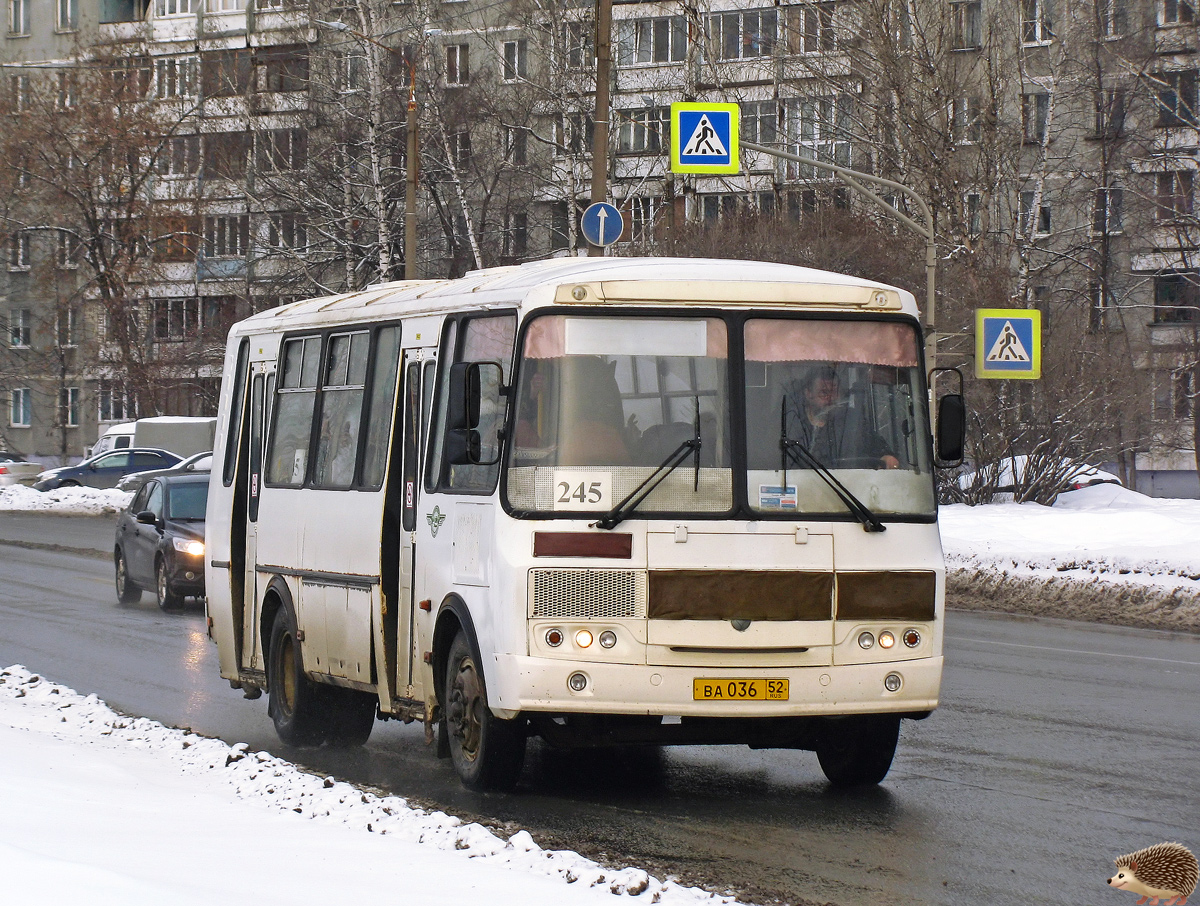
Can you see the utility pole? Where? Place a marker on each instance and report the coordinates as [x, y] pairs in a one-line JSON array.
[[600, 124]]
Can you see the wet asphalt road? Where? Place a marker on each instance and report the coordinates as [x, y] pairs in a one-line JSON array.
[[1058, 747]]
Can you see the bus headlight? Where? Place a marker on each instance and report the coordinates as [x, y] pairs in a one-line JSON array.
[[608, 638], [583, 638], [886, 639], [554, 637], [892, 682], [577, 682], [912, 638], [866, 640]]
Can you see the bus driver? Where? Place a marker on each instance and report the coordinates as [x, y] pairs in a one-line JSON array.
[[836, 434]]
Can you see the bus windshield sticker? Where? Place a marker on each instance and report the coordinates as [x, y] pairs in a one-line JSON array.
[[582, 490], [774, 497]]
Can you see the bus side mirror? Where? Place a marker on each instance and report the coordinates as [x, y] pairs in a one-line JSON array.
[[951, 428], [464, 440]]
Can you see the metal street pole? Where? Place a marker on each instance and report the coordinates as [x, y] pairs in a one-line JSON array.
[[600, 123]]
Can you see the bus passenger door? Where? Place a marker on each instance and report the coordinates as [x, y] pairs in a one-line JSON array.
[[251, 643], [418, 374]]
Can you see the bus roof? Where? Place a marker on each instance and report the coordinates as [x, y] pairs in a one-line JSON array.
[[592, 281]]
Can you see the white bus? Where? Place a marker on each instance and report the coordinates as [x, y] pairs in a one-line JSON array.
[[600, 501]]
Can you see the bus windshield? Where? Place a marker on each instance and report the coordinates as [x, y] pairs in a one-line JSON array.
[[603, 402]]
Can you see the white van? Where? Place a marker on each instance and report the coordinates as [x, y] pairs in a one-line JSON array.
[[114, 437]]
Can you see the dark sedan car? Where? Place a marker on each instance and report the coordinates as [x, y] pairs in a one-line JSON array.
[[199, 462], [160, 541], [105, 470]]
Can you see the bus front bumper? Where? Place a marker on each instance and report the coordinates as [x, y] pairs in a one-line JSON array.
[[541, 684]]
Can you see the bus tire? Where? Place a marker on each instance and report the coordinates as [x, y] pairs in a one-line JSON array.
[[858, 751], [350, 716], [295, 703], [488, 752]]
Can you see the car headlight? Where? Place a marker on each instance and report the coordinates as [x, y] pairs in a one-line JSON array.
[[188, 546]]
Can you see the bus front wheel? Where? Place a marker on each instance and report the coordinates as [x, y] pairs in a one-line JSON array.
[[858, 751], [488, 752], [295, 703]]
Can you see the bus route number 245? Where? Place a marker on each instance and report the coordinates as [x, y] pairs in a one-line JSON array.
[[582, 491]]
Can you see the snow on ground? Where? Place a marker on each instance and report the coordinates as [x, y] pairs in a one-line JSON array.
[[108, 810], [67, 501], [1104, 532]]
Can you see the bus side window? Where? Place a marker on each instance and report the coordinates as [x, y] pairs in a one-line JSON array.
[[236, 407], [381, 406], [345, 377], [484, 339], [433, 462], [291, 429]]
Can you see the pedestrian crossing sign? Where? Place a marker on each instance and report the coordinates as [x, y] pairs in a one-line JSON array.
[[704, 138], [1008, 343]]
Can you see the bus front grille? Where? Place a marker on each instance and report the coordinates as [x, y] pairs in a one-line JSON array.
[[588, 594]]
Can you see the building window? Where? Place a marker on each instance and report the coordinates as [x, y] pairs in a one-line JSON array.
[[967, 22], [643, 130], [821, 128], [282, 68], [175, 77], [18, 17], [1173, 198], [759, 121], [20, 328], [1033, 221], [20, 88], [810, 28], [225, 154], [225, 73], [1110, 113], [1183, 393], [1112, 17], [66, 98], [67, 15], [516, 145], [115, 403], [20, 411], [516, 55], [19, 252], [175, 319], [227, 236], [1099, 308], [560, 225], [573, 134], [66, 327], [68, 406], [1176, 98], [180, 156], [1178, 12], [660, 40], [577, 44], [643, 212], [516, 235], [67, 249], [744, 35], [178, 7], [973, 214], [1176, 298], [226, 6], [1037, 24], [282, 150], [1035, 111], [458, 64], [1107, 210], [460, 147], [287, 230], [966, 121]]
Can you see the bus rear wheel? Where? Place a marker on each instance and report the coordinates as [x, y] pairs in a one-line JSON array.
[[858, 751], [487, 751], [295, 702]]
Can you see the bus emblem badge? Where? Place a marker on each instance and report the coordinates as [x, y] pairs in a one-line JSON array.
[[435, 520]]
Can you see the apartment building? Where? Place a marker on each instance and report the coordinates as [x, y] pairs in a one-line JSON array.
[[1060, 136]]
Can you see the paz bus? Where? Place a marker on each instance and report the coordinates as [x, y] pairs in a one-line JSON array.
[[598, 501]]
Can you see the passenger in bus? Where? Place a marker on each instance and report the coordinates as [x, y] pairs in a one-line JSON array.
[[590, 428], [837, 434]]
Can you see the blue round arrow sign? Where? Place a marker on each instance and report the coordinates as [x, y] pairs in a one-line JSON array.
[[601, 224]]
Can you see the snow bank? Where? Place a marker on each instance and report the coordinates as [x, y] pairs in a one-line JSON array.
[[67, 501], [105, 809]]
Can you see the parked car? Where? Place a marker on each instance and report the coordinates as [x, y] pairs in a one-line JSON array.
[[106, 469], [15, 469], [200, 462], [160, 541], [1051, 477]]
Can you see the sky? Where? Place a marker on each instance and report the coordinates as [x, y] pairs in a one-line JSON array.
[[103, 809]]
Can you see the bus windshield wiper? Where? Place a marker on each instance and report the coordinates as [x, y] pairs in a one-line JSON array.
[[801, 455], [630, 501]]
